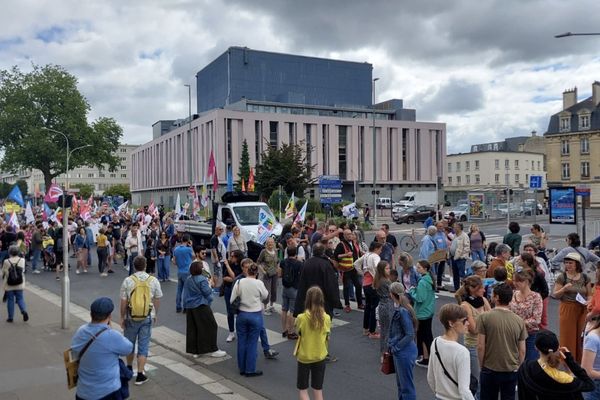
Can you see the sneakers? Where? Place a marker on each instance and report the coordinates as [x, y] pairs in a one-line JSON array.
[[218, 354], [230, 337], [374, 335], [267, 311], [347, 309], [330, 359], [423, 363], [77, 272], [141, 379], [25, 316], [104, 274], [110, 271], [253, 374], [9, 320], [36, 271], [336, 313], [271, 354], [361, 306], [292, 336], [58, 278]]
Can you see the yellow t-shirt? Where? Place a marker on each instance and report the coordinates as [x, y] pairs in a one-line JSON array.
[[311, 346], [101, 240]]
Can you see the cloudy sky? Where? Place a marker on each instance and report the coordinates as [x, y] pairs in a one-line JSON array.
[[488, 68]]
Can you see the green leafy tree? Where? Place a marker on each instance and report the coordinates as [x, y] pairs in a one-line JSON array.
[[121, 189], [35, 103], [244, 167], [4, 189], [285, 166], [22, 184], [85, 189]]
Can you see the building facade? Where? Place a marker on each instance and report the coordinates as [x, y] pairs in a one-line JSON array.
[[493, 167], [573, 143], [101, 180], [336, 132]]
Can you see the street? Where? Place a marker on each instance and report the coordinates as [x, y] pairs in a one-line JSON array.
[[354, 376]]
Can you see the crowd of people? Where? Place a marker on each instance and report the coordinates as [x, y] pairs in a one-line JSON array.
[[495, 336]]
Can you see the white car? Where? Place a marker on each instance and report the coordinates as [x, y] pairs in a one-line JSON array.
[[461, 213]]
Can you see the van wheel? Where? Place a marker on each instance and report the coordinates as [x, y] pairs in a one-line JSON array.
[[463, 218], [411, 220]]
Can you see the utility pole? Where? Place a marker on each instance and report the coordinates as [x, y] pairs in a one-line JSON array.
[[374, 155]]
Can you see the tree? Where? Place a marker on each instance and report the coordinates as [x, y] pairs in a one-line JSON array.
[[5, 189], [244, 166], [121, 189], [22, 184], [286, 166], [85, 189], [47, 98]]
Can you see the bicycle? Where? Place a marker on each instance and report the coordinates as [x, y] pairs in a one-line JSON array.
[[408, 242]]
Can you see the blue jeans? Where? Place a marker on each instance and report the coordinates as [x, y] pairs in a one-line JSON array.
[[181, 277], [164, 268], [12, 296], [478, 255], [35, 258], [89, 255], [493, 383], [230, 314], [264, 340], [3, 256], [404, 363], [474, 361], [594, 394], [249, 325], [132, 255], [458, 271], [140, 330], [531, 352]]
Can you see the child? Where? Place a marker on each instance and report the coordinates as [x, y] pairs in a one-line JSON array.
[[500, 276], [313, 327]]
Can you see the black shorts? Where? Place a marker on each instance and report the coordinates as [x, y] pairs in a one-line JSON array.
[[316, 371]]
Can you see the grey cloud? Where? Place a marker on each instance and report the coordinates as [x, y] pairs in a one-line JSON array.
[[453, 97]]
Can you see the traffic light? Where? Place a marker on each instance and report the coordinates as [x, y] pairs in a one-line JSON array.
[[510, 191]]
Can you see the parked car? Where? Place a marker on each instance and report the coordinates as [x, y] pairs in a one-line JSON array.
[[529, 205], [461, 213], [503, 209], [411, 214], [383, 202]]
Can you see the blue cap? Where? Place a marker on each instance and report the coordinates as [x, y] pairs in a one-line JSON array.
[[102, 306]]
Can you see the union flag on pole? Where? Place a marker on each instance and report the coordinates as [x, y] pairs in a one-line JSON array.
[[212, 170]]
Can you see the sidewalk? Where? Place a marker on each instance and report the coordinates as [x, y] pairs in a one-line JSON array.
[[32, 362]]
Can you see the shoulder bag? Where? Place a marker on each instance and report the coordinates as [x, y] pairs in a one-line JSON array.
[[473, 384], [72, 365], [387, 364]]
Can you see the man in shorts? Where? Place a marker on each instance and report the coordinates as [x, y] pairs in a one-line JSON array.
[[291, 268]]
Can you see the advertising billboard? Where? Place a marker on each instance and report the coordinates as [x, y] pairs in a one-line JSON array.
[[563, 205], [476, 205]]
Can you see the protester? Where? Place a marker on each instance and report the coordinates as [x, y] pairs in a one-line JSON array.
[[460, 250], [291, 269], [448, 376], [268, 263], [252, 294], [401, 342], [428, 245], [545, 378], [140, 300], [36, 248], [527, 304], [387, 250], [477, 242], [500, 347], [385, 309], [573, 282], [150, 254], [513, 238], [502, 258], [313, 327], [201, 326], [232, 269], [409, 277], [98, 371], [183, 255], [441, 242], [218, 251], [163, 248], [368, 268], [102, 251], [574, 246], [133, 243], [590, 361], [81, 251], [424, 298], [237, 242], [13, 275], [346, 253], [539, 239]]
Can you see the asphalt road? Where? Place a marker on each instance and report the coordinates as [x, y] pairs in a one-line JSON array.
[[354, 376]]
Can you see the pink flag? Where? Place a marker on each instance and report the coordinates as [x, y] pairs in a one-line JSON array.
[[212, 170], [54, 192]]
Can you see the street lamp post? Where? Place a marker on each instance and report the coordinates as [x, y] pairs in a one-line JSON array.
[[374, 153], [190, 175], [66, 283], [567, 34]]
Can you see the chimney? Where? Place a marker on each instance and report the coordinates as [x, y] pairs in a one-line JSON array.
[[533, 133], [569, 98], [596, 93]]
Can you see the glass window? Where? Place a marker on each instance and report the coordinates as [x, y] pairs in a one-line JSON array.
[[565, 124], [506, 164], [248, 215], [516, 178], [123, 175], [468, 179], [476, 164], [539, 167], [449, 180], [516, 164], [497, 178], [123, 167], [565, 171], [477, 180], [585, 169], [90, 175], [273, 134], [458, 166], [342, 143], [584, 145], [532, 165], [458, 180], [497, 164], [564, 147], [584, 121], [467, 165], [449, 167]]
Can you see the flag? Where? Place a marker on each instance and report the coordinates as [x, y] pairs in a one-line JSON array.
[[265, 226], [196, 203], [229, 179], [90, 201], [123, 206], [178, 205], [75, 205], [151, 208], [47, 212], [243, 185], [251, 181], [29, 217], [54, 192], [14, 221], [302, 214], [204, 195], [212, 170], [84, 212], [291, 205], [16, 196]]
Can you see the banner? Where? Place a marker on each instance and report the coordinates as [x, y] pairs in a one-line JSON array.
[[291, 206], [16, 196], [265, 226], [29, 217], [54, 192], [563, 205]]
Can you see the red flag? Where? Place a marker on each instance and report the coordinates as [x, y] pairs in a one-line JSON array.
[[212, 170], [75, 205], [90, 201], [251, 181], [243, 185]]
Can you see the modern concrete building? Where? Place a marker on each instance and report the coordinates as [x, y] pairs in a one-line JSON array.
[[573, 143], [101, 180], [493, 167], [270, 99]]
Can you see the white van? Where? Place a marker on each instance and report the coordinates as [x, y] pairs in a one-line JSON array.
[[383, 202]]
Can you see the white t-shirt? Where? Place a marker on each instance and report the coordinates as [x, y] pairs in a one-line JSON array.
[[456, 359]]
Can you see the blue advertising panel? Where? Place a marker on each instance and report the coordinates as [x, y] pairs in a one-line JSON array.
[[563, 205]]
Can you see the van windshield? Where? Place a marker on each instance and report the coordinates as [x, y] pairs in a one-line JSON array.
[[248, 215]]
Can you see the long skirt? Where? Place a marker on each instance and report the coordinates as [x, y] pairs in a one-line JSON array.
[[201, 331]]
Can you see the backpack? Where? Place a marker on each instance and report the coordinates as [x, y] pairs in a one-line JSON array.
[[287, 278], [140, 299], [15, 274]]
